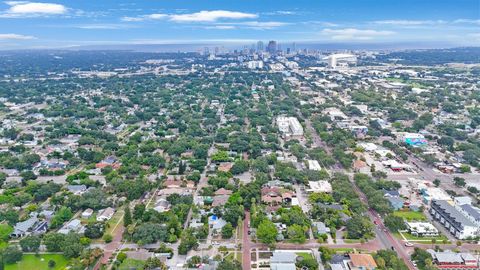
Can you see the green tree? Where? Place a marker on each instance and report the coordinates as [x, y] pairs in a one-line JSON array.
[[138, 211], [229, 265], [359, 227], [94, 230], [51, 263], [154, 263], [227, 231], [71, 246], [267, 232], [127, 216], [12, 255], [30, 243], [459, 181], [296, 234], [394, 223], [326, 254], [53, 241], [5, 231]]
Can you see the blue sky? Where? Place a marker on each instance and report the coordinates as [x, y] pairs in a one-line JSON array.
[[25, 24]]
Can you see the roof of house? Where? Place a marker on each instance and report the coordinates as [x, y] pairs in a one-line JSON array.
[[391, 193], [107, 212], [283, 257], [220, 200], [24, 226], [223, 191], [363, 260], [396, 202], [74, 188]]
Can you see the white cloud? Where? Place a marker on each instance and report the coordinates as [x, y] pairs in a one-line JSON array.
[[103, 26], [203, 16], [355, 34], [28, 8], [154, 16], [248, 25], [15, 37], [262, 25], [467, 21], [475, 36], [221, 27], [211, 16], [411, 22]]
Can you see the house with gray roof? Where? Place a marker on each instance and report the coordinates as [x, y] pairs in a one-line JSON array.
[[24, 228], [283, 260]]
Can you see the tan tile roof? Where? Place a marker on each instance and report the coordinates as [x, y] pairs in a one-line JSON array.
[[363, 260]]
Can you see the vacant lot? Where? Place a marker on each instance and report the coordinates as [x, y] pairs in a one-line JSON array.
[[410, 215]]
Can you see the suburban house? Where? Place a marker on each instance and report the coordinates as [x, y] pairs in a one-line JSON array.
[[283, 260], [105, 214]]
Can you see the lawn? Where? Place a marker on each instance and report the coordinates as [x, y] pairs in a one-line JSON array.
[[305, 255], [425, 240], [410, 215], [351, 241], [113, 221], [30, 261], [129, 264]]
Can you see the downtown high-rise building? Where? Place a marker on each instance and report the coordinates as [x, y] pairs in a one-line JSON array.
[[272, 47], [260, 46]]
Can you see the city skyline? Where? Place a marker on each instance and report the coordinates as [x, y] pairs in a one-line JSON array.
[[63, 24]]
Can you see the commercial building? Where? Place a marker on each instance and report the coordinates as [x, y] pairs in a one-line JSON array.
[[421, 229], [272, 47], [290, 127], [313, 165], [319, 186], [343, 59], [452, 260], [255, 64], [414, 139], [457, 221]]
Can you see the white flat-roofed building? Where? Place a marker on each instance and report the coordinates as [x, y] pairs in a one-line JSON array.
[[421, 229], [290, 127], [340, 58], [314, 165], [319, 186]]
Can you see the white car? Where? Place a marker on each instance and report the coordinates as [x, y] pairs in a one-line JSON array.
[[408, 244]]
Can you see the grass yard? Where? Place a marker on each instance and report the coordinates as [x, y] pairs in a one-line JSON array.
[[129, 264], [305, 255], [113, 221], [424, 240], [32, 262], [349, 250], [410, 215], [351, 241]]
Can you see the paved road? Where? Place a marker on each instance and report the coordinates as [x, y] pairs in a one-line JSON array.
[[387, 240], [246, 243]]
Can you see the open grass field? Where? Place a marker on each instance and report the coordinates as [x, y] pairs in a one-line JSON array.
[[410, 215], [40, 262]]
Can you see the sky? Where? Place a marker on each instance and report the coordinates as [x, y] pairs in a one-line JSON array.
[[60, 24]]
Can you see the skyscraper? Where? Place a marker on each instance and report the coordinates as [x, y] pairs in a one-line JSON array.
[[272, 47], [260, 46]]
